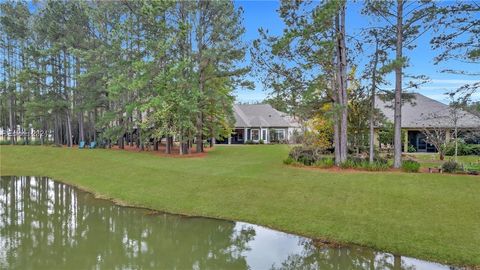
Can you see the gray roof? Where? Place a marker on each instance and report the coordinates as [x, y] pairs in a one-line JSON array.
[[424, 112], [261, 115]]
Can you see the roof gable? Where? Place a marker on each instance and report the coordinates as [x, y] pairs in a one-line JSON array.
[[426, 112], [259, 115]]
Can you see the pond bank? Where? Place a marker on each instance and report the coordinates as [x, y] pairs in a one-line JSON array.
[[428, 216], [165, 239]]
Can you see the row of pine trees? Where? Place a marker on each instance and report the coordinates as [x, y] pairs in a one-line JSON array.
[[121, 71]]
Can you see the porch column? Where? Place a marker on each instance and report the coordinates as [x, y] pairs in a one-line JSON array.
[[230, 139], [245, 135], [405, 142]]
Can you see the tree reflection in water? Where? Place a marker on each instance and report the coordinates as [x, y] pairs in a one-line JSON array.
[[48, 225]]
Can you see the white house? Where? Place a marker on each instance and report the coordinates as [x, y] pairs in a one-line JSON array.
[[261, 122]]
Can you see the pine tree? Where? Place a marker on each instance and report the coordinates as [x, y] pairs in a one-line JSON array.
[[402, 24]]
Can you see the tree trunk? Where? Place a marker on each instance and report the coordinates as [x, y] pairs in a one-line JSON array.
[[199, 137], [372, 109], [10, 120], [168, 144], [56, 134], [341, 84], [69, 130], [81, 131], [155, 144], [94, 119], [397, 142], [121, 143], [456, 142], [336, 141], [397, 260]]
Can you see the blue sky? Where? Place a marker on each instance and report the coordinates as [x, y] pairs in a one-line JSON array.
[[263, 14]]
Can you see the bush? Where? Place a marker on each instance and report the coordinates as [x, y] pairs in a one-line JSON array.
[[411, 149], [410, 166], [349, 164], [450, 166], [378, 166], [380, 160], [326, 162], [306, 155], [288, 161], [475, 149], [364, 164], [463, 149], [261, 142]]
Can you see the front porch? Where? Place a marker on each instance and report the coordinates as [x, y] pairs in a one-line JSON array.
[[411, 137], [416, 139], [244, 135], [256, 135]]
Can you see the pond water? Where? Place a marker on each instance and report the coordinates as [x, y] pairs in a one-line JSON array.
[[45, 224]]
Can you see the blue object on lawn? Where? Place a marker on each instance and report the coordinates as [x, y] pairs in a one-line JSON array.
[[93, 144], [81, 145]]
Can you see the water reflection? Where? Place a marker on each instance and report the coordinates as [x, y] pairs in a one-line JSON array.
[[48, 225]]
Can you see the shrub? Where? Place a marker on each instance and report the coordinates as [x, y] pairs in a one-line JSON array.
[[261, 142], [410, 166], [378, 166], [306, 155], [411, 149], [463, 149], [475, 149], [326, 162], [450, 166], [289, 160], [349, 164], [380, 160]]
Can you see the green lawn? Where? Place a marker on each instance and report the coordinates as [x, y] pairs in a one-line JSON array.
[[429, 216], [432, 160]]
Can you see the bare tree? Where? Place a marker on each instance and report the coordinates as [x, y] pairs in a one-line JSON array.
[[438, 138]]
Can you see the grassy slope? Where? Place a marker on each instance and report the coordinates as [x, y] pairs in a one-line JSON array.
[[429, 216]]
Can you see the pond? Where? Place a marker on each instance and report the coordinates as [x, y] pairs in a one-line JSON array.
[[45, 224]]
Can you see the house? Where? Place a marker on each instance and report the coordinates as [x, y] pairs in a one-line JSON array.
[[425, 113], [261, 123]]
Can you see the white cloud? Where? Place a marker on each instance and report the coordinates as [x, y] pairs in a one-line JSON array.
[[452, 81]]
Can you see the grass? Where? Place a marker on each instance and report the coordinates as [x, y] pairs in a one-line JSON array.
[[431, 160], [428, 216]]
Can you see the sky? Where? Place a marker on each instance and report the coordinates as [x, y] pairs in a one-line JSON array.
[[263, 14]]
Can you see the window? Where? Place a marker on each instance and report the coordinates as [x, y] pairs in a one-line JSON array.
[[255, 134], [264, 134], [280, 134]]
